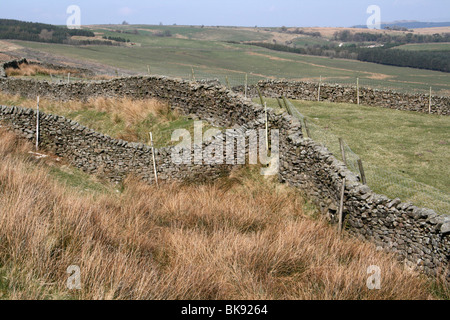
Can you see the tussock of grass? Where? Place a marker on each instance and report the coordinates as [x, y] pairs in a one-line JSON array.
[[241, 238], [124, 118]]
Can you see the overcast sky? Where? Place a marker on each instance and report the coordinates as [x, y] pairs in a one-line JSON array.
[[300, 13]]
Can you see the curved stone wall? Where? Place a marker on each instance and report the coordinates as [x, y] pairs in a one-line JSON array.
[[418, 235]]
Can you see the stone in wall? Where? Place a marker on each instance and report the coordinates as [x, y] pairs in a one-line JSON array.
[[336, 93]]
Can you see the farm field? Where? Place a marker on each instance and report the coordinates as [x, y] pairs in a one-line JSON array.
[[177, 57], [404, 153], [426, 47], [184, 32]]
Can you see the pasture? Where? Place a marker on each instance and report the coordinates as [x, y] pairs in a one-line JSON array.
[[405, 154]]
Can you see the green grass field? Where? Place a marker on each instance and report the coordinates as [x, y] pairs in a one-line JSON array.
[[210, 59], [405, 154], [425, 47], [205, 50], [187, 32]]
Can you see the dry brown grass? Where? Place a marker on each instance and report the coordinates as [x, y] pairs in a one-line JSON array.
[[123, 118], [30, 70], [130, 110], [241, 238]]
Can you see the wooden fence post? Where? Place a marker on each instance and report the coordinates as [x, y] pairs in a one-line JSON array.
[[308, 133], [154, 161], [341, 206], [361, 171], [246, 84], [320, 84], [341, 144], [68, 78], [279, 103], [286, 105], [267, 127], [37, 125], [429, 104], [357, 90]]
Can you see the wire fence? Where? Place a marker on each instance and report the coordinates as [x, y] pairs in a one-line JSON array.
[[386, 85], [384, 181], [233, 78], [381, 180], [60, 78]]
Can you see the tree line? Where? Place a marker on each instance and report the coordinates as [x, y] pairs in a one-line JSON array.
[[347, 36], [431, 60], [39, 32]]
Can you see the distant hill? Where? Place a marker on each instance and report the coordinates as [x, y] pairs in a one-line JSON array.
[[40, 32], [409, 25]]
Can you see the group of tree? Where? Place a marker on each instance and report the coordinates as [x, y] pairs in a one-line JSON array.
[[385, 38], [117, 39], [40, 32], [93, 42], [432, 60]]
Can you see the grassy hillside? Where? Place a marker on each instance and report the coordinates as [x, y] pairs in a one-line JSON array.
[[14, 29], [253, 239], [207, 33], [425, 47], [177, 57]]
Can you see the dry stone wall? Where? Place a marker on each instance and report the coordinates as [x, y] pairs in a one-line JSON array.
[[336, 93], [418, 235]]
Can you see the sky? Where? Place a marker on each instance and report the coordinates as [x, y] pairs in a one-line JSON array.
[[263, 13]]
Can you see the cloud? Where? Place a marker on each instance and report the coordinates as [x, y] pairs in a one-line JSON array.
[[126, 11]]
